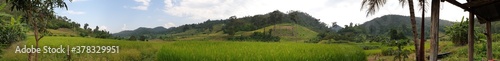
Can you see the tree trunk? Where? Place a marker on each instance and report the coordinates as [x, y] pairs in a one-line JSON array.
[[435, 5], [413, 25], [35, 27], [421, 48], [29, 20]]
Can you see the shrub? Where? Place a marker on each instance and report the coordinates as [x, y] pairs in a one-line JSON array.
[[12, 31], [388, 52], [458, 33], [314, 40], [258, 36], [369, 47]]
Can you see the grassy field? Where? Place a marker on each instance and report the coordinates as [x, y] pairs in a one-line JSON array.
[[193, 50], [258, 51], [129, 50]]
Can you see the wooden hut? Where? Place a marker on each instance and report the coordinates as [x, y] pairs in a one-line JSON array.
[[486, 11]]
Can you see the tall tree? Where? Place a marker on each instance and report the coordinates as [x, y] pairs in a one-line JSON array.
[[276, 16], [420, 52], [374, 5], [294, 16], [96, 29], [37, 11], [232, 27], [85, 26]]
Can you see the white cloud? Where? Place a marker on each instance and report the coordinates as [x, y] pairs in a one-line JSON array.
[[75, 12], [124, 27], [341, 11], [144, 6], [102, 27], [168, 25]]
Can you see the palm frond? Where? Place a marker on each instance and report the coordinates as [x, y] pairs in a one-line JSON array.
[[423, 4], [372, 5], [403, 3]]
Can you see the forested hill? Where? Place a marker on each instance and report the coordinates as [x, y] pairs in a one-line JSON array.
[[383, 24], [142, 31], [234, 24]]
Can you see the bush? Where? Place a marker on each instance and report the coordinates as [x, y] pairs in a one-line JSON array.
[[12, 31], [495, 37], [314, 40], [388, 52], [258, 36], [458, 33], [369, 47]]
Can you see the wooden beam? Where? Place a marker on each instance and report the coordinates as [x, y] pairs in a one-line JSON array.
[[479, 3], [458, 4], [470, 36], [488, 42], [434, 29]]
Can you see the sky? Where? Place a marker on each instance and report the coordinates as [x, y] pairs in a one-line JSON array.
[[119, 15]]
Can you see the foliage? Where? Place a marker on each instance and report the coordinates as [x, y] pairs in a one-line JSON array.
[[313, 40], [258, 36], [132, 38], [255, 51], [383, 24], [399, 52], [396, 35], [352, 32], [143, 38], [458, 33], [495, 37], [233, 26], [12, 31], [265, 37]]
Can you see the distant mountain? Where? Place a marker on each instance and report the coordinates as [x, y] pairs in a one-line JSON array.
[[382, 25], [141, 31], [336, 28]]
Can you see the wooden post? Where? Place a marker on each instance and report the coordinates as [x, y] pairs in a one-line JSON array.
[[470, 36], [488, 43], [434, 29]]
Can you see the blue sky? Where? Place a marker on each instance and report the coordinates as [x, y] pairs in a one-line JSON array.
[[119, 15]]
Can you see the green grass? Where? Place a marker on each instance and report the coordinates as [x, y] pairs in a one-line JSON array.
[[191, 50], [63, 32], [258, 51], [129, 50]]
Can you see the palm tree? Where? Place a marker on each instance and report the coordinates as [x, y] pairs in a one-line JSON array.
[[420, 52], [374, 5]]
